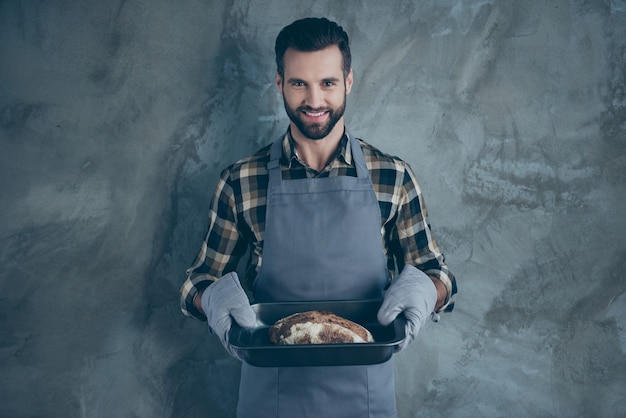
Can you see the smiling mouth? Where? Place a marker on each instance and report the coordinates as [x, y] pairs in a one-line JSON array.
[[315, 116]]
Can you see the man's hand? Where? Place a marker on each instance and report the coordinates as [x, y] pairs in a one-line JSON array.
[[412, 293], [224, 301]]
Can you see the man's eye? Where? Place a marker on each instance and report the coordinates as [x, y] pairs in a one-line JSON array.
[[329, 83], [297, 84]]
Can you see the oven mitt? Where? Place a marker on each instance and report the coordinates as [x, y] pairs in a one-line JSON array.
[[412, 293], [223, 301]]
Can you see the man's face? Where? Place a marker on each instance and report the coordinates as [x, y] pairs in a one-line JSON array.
[[314, 90]]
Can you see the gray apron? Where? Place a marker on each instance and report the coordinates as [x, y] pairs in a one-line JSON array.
[[322, 241]]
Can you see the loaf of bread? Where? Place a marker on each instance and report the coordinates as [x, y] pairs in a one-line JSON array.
[[317, 327]]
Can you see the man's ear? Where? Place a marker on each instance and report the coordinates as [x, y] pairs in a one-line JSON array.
[[349, 81], [279, 82]]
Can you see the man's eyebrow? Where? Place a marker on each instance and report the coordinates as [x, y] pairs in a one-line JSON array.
[[324, 80]]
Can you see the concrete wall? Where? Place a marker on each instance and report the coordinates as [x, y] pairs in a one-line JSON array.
[[117, 116]]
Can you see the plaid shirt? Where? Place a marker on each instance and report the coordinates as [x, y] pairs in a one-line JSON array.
[[237, 217]]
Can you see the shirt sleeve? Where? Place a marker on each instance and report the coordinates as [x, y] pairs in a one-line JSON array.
[[415, 237], [220, 251]]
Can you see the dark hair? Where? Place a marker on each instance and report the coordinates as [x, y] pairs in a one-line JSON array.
[[312, 34]]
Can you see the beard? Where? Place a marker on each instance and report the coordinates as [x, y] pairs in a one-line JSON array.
[[312, 130]]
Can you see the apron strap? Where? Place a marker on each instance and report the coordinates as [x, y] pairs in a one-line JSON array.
[[358, 158], [273, 166]]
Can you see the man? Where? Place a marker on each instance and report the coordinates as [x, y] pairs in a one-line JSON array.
[[325, 216]]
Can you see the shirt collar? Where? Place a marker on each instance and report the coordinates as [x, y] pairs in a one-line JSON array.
[[343, 155]]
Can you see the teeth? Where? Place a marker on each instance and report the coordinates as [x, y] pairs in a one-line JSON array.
[[315, 114]]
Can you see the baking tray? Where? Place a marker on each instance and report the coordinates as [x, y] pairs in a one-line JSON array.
[[256, 348]]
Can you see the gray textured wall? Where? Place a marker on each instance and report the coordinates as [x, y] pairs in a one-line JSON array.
[[117, 116]]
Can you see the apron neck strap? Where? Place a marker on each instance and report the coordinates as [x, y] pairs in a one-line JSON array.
[[273, 166], [357, 157]]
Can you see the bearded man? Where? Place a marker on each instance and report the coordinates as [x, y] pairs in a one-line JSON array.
[[324, 216]]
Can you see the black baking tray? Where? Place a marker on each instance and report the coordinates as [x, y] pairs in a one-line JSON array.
[[256, 348]]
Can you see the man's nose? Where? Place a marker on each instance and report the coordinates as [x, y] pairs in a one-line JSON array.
[[315, 97]]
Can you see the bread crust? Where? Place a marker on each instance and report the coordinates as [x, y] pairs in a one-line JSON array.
[[317, 327]]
